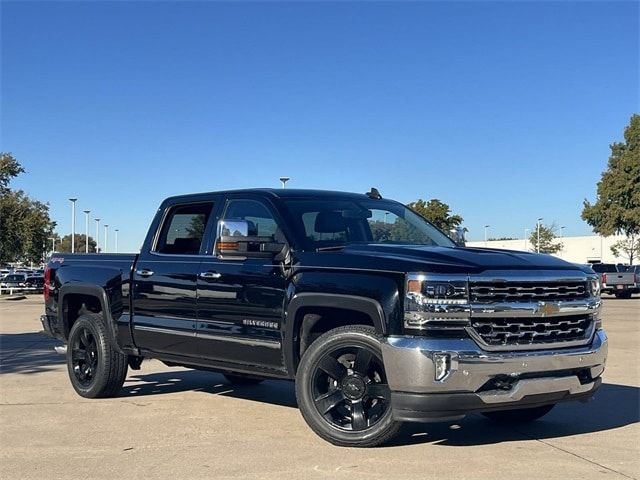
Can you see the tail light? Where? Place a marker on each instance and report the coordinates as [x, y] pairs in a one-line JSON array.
[[47, 279], [604, 278]]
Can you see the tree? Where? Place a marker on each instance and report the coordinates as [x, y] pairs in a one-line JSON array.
[[9, 168], [498, 239], [547, 237], [630, 247], [437, 212], [24, 223], [617, 207], [64, 244]]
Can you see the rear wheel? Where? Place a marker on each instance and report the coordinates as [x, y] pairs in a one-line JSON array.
[[342, 389], [95, 368], [241, 380], [519, 416]]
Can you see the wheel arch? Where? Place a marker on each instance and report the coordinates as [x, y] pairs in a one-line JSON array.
[[93, 297], [307, 311]]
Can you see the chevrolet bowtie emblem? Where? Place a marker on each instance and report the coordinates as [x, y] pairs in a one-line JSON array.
[[548, 308]]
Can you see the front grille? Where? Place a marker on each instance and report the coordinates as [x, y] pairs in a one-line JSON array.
[[497, 292], [531, 331]]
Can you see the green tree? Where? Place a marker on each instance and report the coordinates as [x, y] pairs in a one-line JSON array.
[[628, 247], [24, 223], [617, 207], [64, 244], [547, 239], [9, 168], [437, 212]]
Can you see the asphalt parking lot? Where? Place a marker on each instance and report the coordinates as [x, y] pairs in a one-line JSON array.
[[177, 423]]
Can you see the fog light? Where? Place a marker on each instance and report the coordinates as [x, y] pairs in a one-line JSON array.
[[442, 362]]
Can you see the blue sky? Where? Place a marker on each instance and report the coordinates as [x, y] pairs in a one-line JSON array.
[[504, 110]]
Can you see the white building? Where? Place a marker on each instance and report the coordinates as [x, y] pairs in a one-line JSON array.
[[576, 249]]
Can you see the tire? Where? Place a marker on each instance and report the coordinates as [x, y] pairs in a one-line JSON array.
[[241, 380], [342, 390], [523, 415], [96, 369]]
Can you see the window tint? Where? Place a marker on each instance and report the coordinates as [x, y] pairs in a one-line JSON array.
[[183, 229], [261, 221]]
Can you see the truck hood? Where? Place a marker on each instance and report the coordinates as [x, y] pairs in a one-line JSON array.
[[408, 258]]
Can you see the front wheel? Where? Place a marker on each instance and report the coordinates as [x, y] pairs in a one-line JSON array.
[[522, 415], [95, 368], [342, 389]]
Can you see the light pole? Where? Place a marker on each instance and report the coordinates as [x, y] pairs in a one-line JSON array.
[[485, 234], [526, 237], [97, 235], [106, 238], [538, 228], [116, 230], [73, 224], [53, 244], [284, 181], [86, 231]]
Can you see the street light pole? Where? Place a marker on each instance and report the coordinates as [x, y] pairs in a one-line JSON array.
[[97, 235], [86, 231], [485, 234], [106, 238], [117, 239], [526, 237], [538, 228], [284, 181], [73, 224], [53, 244]]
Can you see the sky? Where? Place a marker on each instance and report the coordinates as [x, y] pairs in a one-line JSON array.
[[503, 110]]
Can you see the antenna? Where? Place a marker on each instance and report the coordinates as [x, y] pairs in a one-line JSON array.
[[374, 193]]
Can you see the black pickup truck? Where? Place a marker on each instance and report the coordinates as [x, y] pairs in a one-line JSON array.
[[379, 316]]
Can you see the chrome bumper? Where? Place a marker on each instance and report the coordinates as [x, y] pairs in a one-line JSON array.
[[410, 368]]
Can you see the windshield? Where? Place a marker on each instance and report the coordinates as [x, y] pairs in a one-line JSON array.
[[339, 222]]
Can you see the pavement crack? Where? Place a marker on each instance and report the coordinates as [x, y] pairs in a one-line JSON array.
[[574, 454]]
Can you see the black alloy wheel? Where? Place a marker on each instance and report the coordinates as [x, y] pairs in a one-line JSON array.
[[84, 357], [349, 388], [342, 389]]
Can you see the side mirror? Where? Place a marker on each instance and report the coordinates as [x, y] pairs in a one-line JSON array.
[[457, 235], [235, 241]]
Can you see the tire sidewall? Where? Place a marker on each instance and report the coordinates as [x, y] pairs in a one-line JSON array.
[[329, 341]]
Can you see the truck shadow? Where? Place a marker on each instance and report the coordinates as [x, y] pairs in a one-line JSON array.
[[28, 353], [613, 406]]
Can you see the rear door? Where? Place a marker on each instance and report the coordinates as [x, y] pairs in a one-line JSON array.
[[164, 281]]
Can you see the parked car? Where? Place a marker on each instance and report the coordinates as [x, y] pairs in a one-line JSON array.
[[14, 281], [35, 283], [617, 279], [377, 315]]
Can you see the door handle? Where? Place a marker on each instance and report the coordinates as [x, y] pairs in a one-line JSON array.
[[210, 275], [144, 272]]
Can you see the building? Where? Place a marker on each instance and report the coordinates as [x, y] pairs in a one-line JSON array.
[[590, 248]]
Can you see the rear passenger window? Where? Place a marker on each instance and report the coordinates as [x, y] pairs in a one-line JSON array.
[[183, 229]]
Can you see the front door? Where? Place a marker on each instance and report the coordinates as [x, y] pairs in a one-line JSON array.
[[165, 282], [240, 302]]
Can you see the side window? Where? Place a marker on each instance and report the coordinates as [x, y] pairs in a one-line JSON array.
[[261, 221], [183, 229]]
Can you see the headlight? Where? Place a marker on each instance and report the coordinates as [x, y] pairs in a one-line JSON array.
[[436, 298], [594, 286]]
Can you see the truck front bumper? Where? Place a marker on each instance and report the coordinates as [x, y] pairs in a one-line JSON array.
[[478, 381]]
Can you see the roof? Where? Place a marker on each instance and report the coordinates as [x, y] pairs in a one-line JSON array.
[[279, 193]]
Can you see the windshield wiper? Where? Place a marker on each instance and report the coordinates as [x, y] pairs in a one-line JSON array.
[[332, 247]]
